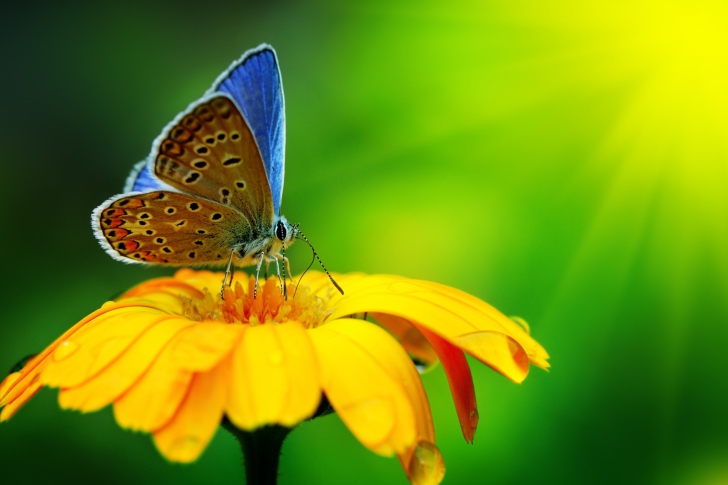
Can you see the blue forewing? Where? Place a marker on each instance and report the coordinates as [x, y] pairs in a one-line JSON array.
[[254, 82]]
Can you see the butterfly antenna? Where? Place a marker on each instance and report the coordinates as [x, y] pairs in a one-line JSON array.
[[302, 275], [319, 260]]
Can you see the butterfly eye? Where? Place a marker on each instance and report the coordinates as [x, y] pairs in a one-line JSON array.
[[281, 231]]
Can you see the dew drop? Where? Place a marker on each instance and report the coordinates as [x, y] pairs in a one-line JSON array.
[[474, 418], [64, 350], [426, 465]]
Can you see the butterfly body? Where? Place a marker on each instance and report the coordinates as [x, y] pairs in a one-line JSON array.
[[210, 191]]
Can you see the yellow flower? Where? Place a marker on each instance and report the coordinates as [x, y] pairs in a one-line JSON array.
[[174, 359]]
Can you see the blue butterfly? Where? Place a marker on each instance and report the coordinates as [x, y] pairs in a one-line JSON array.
[[210, 191]]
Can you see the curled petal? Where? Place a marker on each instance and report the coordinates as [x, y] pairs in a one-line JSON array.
[[460, 380], [409, 336], [449, 313]]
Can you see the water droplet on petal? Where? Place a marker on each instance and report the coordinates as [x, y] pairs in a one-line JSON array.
[[474, 418], [426, 466], [64, 350], [185, 449]]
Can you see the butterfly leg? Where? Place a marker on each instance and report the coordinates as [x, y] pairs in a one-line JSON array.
[[257, 274], [229, 271], [278, 272]]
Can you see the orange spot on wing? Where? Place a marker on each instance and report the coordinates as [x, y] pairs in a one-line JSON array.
[[135, 203], [116, 233], [114, 213]]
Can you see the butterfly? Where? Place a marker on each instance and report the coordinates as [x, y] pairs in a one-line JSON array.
[[210, 191]]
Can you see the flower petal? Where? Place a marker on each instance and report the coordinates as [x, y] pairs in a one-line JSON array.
[[274, 377], [197, 419], [409, 336], [449, 313], [111, 381], [372, 384], [88, 351], [25, 393], [460, 380], [152, 401]]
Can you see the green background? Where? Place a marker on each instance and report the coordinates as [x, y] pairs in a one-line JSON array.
[[563, 161]]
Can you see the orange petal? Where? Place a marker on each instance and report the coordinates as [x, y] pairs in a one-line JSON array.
[[274, 377], [152, 401], [115, 378], [460, 380], [197, 419], [372, 384], [409, 337]]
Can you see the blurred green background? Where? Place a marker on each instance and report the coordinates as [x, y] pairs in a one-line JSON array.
[[564, 161]]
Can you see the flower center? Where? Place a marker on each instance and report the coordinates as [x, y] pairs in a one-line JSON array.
[[268, 306]]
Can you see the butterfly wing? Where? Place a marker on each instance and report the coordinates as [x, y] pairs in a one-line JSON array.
[[168, 228], [209, 151], [254, 82], [142, 179]]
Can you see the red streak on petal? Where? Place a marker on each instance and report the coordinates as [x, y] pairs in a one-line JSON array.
[[460, 379]]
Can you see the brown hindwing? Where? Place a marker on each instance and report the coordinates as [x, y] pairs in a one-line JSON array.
[[211, 152], [172, 228]]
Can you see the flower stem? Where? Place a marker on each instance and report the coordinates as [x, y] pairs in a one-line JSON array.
[[262, 447], [261, 451]]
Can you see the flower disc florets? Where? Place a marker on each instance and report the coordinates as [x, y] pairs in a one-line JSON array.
[[267, 305]]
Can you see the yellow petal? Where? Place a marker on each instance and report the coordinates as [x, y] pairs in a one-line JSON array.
[[152, 401], [115, 378], [197, 419], [88, 351], [372, 384], [447, 312], [274, 377], [27, 392]]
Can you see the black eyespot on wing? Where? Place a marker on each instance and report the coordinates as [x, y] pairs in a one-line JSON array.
[[192, 177], [192, 255], [216, 216], [232, 161]]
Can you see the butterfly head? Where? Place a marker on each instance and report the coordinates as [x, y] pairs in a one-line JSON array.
[[285, 231]]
